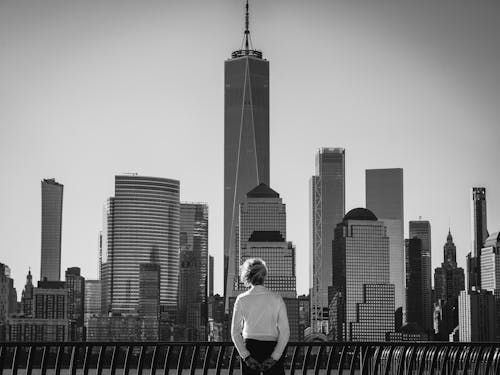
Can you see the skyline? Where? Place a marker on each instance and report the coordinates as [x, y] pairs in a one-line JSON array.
[[75, 86]]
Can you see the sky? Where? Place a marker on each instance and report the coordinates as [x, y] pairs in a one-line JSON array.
[[91, 89]]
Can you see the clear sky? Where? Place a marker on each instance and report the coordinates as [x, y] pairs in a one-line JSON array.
[[94, 88]]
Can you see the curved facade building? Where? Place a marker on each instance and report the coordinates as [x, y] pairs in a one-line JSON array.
[[141, 226]]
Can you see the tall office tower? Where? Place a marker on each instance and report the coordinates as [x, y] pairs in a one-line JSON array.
[[75, 283], [262, 210], [262, 234], [384, 197], [414, 284], [490, 273], [449, 280], [479, 233], [142, 218], [52, 204], [422, 229], [476, 316], [364, 295], [193, 280], [210, 275], [327, 210], [92, 299], [246, 138]]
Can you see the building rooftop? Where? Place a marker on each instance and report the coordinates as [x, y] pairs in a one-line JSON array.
[[360, 214], [493, 240], [262, 191]]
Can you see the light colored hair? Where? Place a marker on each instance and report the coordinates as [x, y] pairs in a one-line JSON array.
[[253, 272]]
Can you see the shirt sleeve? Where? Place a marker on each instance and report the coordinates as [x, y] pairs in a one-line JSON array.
[[283, 331], [236, 330]]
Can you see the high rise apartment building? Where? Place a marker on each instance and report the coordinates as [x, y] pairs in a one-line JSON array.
[[421, 229], [384, 197], [327, 189], [52, 205], [479, 233], [142, 218], [364, 295], [246, 139]]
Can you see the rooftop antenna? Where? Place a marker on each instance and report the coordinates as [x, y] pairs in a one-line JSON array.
[[247, 38]]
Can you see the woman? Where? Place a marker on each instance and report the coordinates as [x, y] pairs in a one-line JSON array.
[[259, 328]]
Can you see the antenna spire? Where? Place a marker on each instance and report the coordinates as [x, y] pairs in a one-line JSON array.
[[247, 28]]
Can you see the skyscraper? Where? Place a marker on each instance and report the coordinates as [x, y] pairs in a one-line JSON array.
[[478, 219], [365, 297], [141, 219], [449, 280], [327, 210], [193, 278], [246, 138], [490, 273], [262, 234], [75, 283], [414, 284], [476, 319], [52, 204], [384, 197], [479, 233], [421, 229]]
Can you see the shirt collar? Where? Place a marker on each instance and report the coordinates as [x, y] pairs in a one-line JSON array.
[[258, 288]]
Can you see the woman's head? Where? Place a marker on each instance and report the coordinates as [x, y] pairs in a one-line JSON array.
[[253, 272]]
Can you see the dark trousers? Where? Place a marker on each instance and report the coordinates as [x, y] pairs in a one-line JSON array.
[[261, 350]]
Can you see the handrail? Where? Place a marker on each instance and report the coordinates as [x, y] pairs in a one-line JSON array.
[[77, 358]]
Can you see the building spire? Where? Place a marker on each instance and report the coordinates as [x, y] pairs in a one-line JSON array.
[[246, 48], [247, 28]]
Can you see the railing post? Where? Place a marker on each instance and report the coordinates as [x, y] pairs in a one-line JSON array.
[[317, 363], [86, 361], [29, 365], [220, 358], [294, 358], [306, 358], [14, 361], [353, 360]]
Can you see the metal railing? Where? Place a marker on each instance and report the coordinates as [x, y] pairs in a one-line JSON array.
[[216, 358]]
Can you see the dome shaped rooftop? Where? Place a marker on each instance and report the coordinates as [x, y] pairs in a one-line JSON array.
[[360, 214]]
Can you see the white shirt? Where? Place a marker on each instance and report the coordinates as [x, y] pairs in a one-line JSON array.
[[260, 314]]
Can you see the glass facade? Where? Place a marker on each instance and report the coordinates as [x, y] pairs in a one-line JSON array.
[[490, 273], [384, 197], [92, 299], [246, 143], [141, 221], [327, 210], [75, 283], [361, 259], [194, 270], [422, 229], [52, 204]]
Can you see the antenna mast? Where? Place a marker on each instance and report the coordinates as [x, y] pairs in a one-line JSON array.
[[247, 28]]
